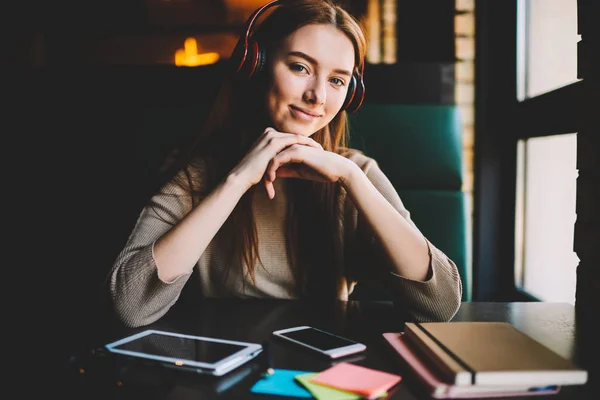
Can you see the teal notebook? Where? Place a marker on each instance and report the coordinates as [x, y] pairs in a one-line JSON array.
[[282, 383]]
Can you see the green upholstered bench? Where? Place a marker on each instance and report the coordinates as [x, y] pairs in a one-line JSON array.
[[419, 148]]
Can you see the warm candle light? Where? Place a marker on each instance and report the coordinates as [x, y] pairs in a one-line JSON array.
[[189, 57], [190, 46]]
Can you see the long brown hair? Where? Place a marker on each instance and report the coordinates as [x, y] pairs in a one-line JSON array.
[[237, 118]]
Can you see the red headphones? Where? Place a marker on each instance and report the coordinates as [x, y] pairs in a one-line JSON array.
[[249, 58]]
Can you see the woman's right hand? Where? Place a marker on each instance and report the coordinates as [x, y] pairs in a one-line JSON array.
[[251, 169]]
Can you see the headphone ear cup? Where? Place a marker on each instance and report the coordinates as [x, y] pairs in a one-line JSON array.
[[254, 62], [247, 57], [247, 63], [261, 62], [350, 93], [238, 56], [359, 94]]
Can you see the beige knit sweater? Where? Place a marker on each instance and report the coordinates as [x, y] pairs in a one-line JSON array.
[[140, 297]]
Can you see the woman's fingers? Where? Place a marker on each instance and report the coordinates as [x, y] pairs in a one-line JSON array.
[[281, 158], [278, 141], [269, 188], [253, 166], [296, 161], [293, 154]]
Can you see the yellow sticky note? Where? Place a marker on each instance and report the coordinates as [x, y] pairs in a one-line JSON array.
[[321, 392]]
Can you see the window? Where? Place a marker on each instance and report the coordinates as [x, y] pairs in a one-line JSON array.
[[547, 45], [546, 192], [545, 264]]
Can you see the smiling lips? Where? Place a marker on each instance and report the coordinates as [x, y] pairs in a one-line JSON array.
[[303, 114]]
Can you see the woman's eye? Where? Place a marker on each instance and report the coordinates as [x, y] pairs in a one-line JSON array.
[[337, 81], [298, 67]]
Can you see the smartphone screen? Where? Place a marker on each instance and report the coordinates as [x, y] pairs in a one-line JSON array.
[[319, 339]]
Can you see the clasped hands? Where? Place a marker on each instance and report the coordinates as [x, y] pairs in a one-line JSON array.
[[286, 155]]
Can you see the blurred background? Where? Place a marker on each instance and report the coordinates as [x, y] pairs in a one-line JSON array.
[[98, 93]]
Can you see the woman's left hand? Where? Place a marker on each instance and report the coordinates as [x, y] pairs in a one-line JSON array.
[[304, 162]]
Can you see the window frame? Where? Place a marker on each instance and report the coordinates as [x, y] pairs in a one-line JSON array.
[[501, 120]]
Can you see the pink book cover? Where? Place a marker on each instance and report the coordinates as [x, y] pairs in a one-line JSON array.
[[367, 382], [442, 390]]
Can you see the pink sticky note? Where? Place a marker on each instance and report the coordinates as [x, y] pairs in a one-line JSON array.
[[353, 378]]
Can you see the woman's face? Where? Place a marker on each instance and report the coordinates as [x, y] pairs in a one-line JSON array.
[[310, 74]]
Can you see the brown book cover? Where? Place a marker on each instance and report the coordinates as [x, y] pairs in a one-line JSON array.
[[441, 390], [489, 353]]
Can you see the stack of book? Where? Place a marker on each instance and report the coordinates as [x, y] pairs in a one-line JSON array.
[[481, 359]]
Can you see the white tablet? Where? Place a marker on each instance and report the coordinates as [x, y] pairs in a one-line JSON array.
[[198, 353]]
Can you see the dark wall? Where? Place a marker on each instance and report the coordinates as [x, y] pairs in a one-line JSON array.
[[82, 160], [89, 146]]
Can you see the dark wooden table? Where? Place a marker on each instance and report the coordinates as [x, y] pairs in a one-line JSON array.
[[97, 375]]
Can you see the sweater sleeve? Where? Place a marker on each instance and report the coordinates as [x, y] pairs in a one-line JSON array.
[[435, 299], [138, 296]]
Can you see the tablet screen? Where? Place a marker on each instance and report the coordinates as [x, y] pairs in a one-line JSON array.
[[184, 348]]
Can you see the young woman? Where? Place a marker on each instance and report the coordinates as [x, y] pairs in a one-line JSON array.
[[271, 203]]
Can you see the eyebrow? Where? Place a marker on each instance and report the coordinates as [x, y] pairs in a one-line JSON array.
[[315, 62]]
